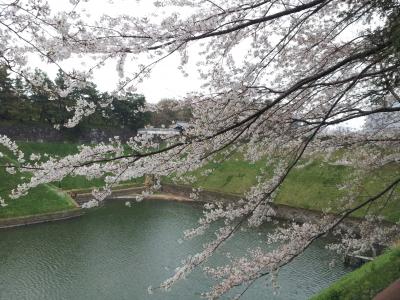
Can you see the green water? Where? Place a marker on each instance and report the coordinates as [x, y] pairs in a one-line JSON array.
[[115, 252]]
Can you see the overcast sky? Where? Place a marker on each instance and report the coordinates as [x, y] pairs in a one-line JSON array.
[[166, 80]]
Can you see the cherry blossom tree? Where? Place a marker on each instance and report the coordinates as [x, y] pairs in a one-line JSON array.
[[278, 74]]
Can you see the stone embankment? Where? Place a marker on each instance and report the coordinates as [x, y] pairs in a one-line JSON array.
[[38, 133], [282, 211], [182, 193], [42, 218]]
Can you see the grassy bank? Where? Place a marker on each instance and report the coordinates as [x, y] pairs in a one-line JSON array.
[[43, 199], [314, 186], [367, 281], [63, 149]]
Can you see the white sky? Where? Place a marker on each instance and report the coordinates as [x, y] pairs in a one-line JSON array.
[[166, 81]]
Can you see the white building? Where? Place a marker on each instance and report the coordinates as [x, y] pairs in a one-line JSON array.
[[174, 129], [159, 131]]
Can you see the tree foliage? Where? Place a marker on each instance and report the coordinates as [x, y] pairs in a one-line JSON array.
[[25, 103]]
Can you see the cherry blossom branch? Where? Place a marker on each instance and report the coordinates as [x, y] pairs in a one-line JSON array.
[[328, 229]]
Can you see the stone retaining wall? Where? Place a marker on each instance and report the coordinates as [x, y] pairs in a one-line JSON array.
[[35, 219], [38, 133]]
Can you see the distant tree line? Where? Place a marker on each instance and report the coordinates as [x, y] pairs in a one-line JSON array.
[[24, 103]]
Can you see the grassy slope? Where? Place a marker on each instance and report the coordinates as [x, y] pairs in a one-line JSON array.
[[46, 198], [43, 199], [367, 281], [62, 149], [313, 187]]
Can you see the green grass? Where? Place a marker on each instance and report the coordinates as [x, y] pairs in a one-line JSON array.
[[60, 150], [367, 281], [234, 175], [43, 199], [314, 186]]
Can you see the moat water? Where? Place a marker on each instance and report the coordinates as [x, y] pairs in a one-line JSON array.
[[116, 252]]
